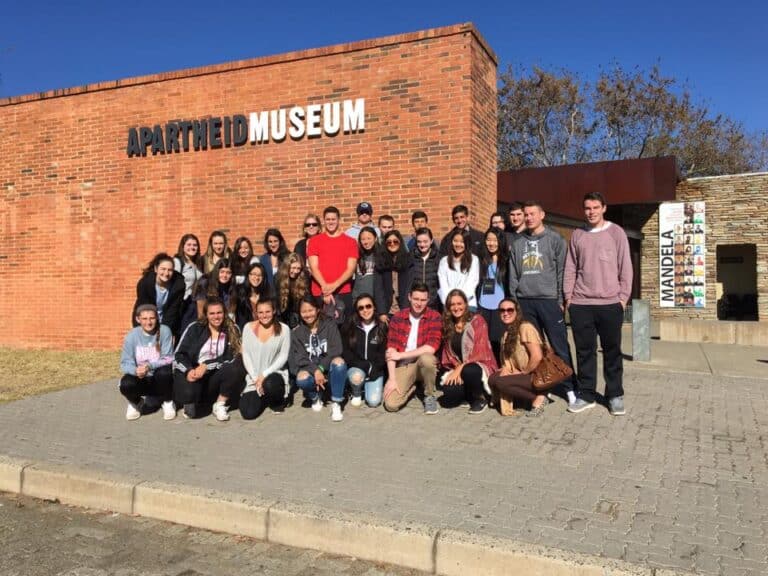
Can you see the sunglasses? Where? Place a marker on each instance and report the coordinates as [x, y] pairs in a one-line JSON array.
[[311, 225], [393, 243], [507, 310], [364, 307]]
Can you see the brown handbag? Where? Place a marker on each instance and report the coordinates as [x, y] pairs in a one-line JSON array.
[[551, 370]]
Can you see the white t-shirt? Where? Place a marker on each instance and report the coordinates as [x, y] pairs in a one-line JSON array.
[[413, 335]]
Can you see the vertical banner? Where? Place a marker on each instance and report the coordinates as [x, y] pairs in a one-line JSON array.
[[682, 255]]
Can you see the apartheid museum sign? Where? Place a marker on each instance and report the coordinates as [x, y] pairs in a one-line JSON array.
[[297, 122]]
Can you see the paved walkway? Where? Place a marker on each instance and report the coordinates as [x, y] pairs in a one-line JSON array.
[[680, 482]]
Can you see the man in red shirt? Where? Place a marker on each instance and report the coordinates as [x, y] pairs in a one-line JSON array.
[[332, 259], [412, 343]]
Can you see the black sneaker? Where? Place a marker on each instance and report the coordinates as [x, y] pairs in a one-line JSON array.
[[278, 408], [478, 407]]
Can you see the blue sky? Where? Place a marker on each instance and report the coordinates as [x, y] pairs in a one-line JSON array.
[[719, 48]]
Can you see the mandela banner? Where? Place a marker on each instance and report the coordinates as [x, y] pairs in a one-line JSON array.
[[682, 254]]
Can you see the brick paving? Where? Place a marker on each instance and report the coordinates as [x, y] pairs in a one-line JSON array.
[[680, 482]]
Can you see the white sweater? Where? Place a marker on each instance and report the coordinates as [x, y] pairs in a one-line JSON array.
[[264, 358], [450, 278]]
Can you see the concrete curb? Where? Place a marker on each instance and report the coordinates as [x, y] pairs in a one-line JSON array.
[[432, 550]]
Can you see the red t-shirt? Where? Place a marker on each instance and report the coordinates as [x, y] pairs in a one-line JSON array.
[[333, 253]]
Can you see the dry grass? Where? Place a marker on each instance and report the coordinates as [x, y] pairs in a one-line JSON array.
[[31, 372]]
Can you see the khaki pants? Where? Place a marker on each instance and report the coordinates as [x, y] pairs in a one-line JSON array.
[[424, 369]]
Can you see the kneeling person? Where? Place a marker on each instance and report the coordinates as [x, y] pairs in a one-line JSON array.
[[208, 369], [413, 340], [146, 363]]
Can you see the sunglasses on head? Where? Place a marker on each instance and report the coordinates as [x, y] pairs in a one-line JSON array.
[[362, 307]]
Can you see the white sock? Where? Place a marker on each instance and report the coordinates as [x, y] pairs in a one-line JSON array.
[[571, 396]]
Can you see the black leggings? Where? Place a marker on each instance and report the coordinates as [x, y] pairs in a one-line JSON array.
[[226, 381], [159, 384], [252, 405], [517, 386], [470, 390]]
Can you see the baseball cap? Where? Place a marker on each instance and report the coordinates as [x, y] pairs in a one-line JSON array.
[[364, 207]]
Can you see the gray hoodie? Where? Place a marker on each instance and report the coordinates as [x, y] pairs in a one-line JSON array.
[[537, 264]]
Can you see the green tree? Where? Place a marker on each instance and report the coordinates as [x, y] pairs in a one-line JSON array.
[[552, 118]]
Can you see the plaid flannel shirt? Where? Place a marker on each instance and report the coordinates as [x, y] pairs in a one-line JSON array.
[[430, 330]]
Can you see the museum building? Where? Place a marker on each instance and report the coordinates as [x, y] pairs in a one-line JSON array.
[[98, 178]]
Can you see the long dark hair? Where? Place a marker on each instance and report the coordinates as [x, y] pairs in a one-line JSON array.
[[197, 260], [512, 331], [362, 252], [282, 249], [240, 264], [264, 290], [276, 326], [312, 301], [501, 261], [465, 262], [449, 323], [228, 327], [216, 289], [349, 330], [208, 256], [386, 260], [159, 257]]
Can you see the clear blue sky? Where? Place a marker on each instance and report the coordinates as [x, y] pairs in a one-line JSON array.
[[720, 48]]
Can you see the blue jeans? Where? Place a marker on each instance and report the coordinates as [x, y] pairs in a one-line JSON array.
[[337, 378], [373, 388]]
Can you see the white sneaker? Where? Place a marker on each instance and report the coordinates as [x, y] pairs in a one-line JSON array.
[[169, 410], [356, 401], [132, 412], [336, 414], [317, 405], [220, 411]]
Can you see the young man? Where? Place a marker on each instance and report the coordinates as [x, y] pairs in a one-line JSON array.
[[386, 224], [332, 259], [419, 219], [597, 287], [537, 261], [516, 224], [460, 216], [412, 343], [364, 218]]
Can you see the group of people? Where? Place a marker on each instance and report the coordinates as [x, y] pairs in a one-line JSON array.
[[368, 314]]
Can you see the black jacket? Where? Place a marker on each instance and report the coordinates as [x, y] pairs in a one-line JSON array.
[[383, 289], [366, 353], [146, 294], [421, 270], [192, 341]]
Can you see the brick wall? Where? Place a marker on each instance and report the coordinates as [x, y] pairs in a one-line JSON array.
[[736, 213], [80, 219]]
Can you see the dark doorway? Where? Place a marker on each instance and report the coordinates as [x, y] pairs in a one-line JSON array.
[[737, 272]]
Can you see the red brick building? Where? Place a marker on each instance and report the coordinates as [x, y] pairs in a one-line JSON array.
[[82, 212]]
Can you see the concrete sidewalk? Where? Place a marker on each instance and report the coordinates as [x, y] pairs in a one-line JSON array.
[[680, 483]]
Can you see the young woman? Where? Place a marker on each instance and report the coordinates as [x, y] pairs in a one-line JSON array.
[[365, 343], [493, 284], [366, 262], [467, 355], [218, 248], [521, 352], [266, 343], [242, 258], [423, 264], [292, 284], [163, 287], [315, 358], [391, 281], [218, 284], [208, 368], [276, 251], [460, 269], [255, 289], [312, 227], [146, 364], [189, 263]]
